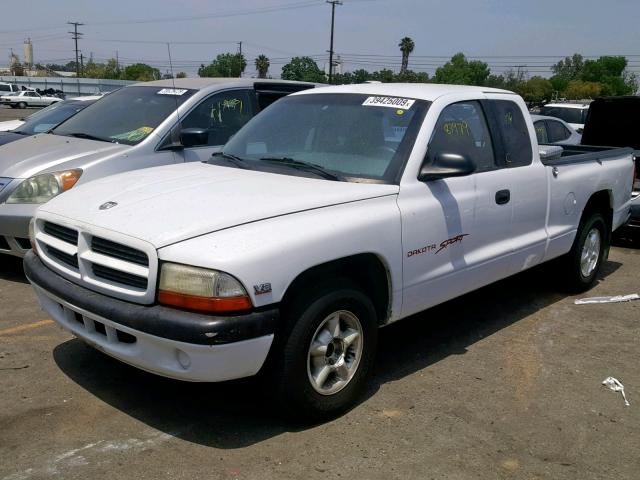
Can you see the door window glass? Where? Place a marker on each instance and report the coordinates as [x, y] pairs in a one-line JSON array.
[[462, 129], [222, 115], [541, 132], [557, 131], [514, 132]]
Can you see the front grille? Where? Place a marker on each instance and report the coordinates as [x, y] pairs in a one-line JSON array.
[[62, 233], [70, 260], [4, 245], [119, 276], [110, 263], [24, 243], [117, 250]]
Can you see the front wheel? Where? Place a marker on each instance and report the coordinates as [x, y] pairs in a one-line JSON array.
[[583, 263], [328, 354]]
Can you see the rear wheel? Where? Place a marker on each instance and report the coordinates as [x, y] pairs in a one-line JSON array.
[[583, 263], [327, 353], [22, 105]]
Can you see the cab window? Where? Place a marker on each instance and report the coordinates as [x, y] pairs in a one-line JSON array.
[[462, 129], [512, 128], [222, 115], [541, 132], [557, 131]]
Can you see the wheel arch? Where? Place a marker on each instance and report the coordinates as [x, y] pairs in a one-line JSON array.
[[367, 270]]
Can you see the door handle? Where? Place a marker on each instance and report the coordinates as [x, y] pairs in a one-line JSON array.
[[503, 196]]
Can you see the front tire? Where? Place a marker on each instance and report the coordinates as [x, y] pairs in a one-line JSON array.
[[328, 352], [583, 263]]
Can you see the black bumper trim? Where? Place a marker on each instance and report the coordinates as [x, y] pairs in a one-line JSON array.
[[165, 322]]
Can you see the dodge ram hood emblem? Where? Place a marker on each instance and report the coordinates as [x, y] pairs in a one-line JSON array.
[[108, 205]]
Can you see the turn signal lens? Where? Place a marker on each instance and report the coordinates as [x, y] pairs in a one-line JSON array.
[[201, 289], [32, 235]]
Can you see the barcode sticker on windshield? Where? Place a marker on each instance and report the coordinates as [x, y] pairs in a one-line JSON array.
[[172, 91], [393, 102]]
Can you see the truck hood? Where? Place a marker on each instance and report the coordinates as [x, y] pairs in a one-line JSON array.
[[47, 152], [165, 205]]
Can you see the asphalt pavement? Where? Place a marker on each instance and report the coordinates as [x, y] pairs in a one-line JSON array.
[[501, 383]]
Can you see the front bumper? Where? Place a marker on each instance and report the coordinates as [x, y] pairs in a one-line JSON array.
[[168, 342], [14, 227]]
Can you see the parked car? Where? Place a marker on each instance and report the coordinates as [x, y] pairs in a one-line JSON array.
[[554, 130], [139, 126], [47, 118], [332, 213], [614, 121], [574, 114], [27, 98], [8, 88]]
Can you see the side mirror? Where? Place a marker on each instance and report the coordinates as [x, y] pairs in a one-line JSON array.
[[193, 137], [446, 165]]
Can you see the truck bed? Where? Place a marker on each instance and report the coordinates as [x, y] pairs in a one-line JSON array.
[[584, 153]]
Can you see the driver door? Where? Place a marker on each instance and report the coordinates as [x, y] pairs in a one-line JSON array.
[[456, 230]]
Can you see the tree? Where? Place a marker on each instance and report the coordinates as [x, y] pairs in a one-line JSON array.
[[611, 73], [140, 72], [225, 65], [570, 68], [409, 76], [304, 69], [360, 75], [579, 89], [537, 90], [385, 76], [406, 47], [262, 66], [181, 75], [461, 71]]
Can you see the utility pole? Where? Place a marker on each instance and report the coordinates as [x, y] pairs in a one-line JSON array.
[[117, 62], [81, 65], [240, 49], [333, 15], [75, 35]]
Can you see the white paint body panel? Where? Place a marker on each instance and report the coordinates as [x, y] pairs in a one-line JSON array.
[[269, 228]]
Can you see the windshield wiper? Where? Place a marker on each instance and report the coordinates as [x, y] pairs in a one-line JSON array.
[[300, 165], [90, 137], [237, 161]]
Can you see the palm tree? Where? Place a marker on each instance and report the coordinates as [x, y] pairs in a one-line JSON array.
[[406, 47], [262, 65]]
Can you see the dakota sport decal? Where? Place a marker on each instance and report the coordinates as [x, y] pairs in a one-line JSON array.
[[443, 245]]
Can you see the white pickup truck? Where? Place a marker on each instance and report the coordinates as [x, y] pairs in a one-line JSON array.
[[27, 98], [332, 213]]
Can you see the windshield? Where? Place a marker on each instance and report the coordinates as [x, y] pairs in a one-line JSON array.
[[126, 116], [568, 114], [354, 137], [49, 117]]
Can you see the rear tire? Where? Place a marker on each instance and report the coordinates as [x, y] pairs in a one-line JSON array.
[[327, 352], [22, 105], [583, 263]]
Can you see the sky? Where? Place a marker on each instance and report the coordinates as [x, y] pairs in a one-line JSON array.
[[504, 33]]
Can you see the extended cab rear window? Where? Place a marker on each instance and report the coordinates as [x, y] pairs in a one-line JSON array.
[[514, 133]]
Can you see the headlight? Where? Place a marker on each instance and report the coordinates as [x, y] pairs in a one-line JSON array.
[[195, 288], [43, 187]]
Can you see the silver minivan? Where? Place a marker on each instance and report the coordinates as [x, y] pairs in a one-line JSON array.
[[139, 126]]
